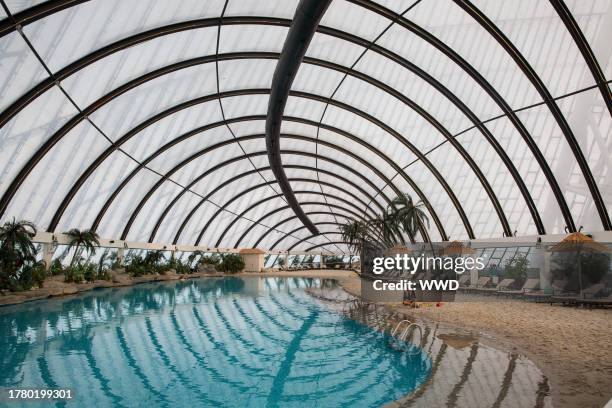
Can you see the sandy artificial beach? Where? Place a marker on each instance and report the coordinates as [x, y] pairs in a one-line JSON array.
[[572, 346]]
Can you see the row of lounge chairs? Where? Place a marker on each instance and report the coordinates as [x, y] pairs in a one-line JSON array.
[[590, 296]]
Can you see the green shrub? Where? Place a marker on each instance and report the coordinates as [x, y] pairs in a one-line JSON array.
[[516, 268], [39, 274], [135, 266], [210, 260], [56, 268], [74, 273], [180, 267], [230, 263]]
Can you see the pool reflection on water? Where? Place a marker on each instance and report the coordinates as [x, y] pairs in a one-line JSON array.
[[212, 342]]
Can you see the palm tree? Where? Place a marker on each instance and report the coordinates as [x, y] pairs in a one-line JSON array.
[[16, 248], [86, 239], [407, 216], [16, 241], [353, 233]]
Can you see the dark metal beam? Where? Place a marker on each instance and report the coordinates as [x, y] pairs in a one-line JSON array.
[[585, 49], [187, 104], [305, 21], [327, 243], [293, 231], [220, 144], [36, 13], [328, 144], [299, 241], [279, 209], [487, 87], [253, 188], [308, 168], [293, 217], [165, 30], [537, 82], [238, 158], [196, 131]]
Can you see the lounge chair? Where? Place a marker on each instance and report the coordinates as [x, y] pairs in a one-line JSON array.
[[556, 287], [575, 299], [482, 282], [596, 302], [504, 284], [529, 286], [463, 281]]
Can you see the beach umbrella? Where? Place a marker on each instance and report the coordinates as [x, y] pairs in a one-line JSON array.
[[579, 243], [457, 248], [398, 249]]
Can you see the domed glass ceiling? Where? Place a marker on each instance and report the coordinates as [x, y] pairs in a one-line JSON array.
[[145, 119]]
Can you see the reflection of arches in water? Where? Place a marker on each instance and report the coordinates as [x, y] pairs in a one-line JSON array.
[[97, 373], [232, 359], [454, 394], [137, 370], [278, 384], [258, 329], [507, 381], [202, 361], [236, 335], [179, 375], [45, 374], [542, 392], [434, 368]]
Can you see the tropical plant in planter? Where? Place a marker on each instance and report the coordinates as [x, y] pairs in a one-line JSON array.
[[231, 263], [16, 251]]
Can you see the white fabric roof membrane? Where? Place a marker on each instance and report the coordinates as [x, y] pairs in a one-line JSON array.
[[145, 119]]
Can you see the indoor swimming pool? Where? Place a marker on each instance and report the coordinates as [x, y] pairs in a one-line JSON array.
[[213, 342]]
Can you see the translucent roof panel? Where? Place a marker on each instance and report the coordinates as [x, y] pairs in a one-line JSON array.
[[146, 119]]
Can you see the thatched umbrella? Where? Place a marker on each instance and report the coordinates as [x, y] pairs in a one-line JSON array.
[[457, 248], [579, 243]]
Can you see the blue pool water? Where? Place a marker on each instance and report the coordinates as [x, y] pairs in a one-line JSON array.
[[232, 342]]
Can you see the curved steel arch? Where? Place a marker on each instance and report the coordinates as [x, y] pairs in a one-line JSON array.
[[299, 241], [220, 165], [298, 192], [499, 100], [265, 234], [210, 148], [191, 133], [300, 228], [50, 7], [328, 144], [122, 89], [253, 188], [264, 200], [325, 244], [350, 154], [312, 236], [307, 238], [141, 37], [537, 82], [227, 182], [35, 13], [279, 209], [585, 49], [184, 64]]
